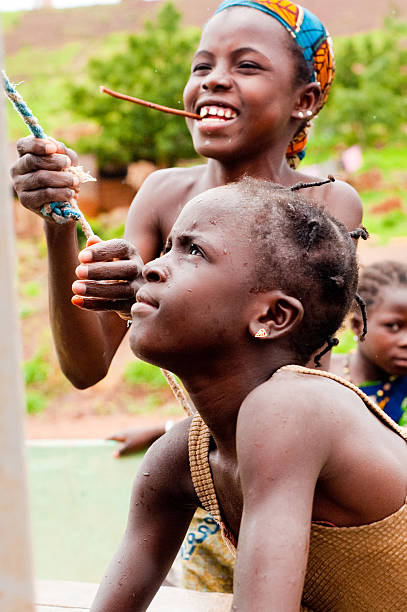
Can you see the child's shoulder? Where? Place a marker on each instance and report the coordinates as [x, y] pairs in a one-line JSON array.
[[178, 179], [299, 400], [339, 198]]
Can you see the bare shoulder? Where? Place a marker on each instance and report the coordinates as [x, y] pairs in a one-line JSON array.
[[296, 408], [171, 183], [166, 465], [339, 198]]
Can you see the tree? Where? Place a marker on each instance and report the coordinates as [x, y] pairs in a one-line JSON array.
[[153, 65], [367, 101]]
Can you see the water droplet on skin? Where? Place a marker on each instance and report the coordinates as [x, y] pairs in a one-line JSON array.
[[146, 473], [212, 221], [225, 252], [230, 140], [207, 142]]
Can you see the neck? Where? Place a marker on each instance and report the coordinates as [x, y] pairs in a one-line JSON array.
[[218, 390], [362, 369], [272, 166]]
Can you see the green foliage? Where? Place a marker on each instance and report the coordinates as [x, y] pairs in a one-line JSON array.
[[142, 373], [105, 232], [367, 101], [154, 65], [9, 20], [346, 342], [35, 401], [35, 370], [31, 289]]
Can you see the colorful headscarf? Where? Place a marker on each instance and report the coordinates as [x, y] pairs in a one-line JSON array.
[[316, 46]]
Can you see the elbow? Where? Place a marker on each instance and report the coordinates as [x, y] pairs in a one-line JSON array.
[[84, 378]]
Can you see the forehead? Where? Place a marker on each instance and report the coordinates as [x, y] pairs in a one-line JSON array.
[[391, 301], [218, 212], [239, 27]]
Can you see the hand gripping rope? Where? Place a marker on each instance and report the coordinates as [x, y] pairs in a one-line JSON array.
[[61, 212]]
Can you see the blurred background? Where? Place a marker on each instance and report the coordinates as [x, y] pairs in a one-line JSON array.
[[60, 52]]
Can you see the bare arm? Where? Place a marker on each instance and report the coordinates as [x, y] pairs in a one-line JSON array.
[[161, 509], [86, 341], [278, 483]]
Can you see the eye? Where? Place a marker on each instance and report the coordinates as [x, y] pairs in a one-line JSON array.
[[195, 250], [394, 327], [249, 65], [201, 68]]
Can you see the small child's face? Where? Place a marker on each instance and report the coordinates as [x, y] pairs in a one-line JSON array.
[[386, 341], [241, 83], [197, 296]]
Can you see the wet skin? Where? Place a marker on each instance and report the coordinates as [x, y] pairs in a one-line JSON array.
[[319, 459]]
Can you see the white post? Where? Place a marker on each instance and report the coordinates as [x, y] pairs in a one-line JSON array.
[[16, 593]]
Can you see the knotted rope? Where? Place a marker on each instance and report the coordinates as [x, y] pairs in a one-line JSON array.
[[61, 212]]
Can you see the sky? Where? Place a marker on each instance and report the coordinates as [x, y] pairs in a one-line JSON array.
[[21, 5]]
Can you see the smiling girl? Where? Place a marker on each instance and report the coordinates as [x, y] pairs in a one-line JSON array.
[[379, 364]]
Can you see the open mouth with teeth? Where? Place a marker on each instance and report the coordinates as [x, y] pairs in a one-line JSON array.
[[217, 112]]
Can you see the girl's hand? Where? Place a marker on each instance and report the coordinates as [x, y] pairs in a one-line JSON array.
[[38, 177], [109, 276], [135, 440]]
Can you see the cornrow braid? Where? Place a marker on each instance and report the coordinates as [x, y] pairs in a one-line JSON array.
[[330, 343], [359, 300], [359, 232], [376, 277], [303, 250], [298, 186]]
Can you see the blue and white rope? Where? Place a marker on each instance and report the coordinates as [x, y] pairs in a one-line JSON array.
[[60, 212]]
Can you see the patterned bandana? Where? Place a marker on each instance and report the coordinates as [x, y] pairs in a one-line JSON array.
[[315, 44]]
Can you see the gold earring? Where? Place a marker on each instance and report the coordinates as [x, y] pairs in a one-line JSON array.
[[262, 333]]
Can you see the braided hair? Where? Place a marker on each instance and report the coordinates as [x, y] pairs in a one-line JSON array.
[[376, 277], [303, 250]]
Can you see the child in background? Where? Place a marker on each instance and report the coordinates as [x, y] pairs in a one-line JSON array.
[[379, 364], [304, 474]]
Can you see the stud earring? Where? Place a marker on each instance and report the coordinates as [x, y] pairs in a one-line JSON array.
[[301, 114], [355, 338], [308, 113], [262, 333]]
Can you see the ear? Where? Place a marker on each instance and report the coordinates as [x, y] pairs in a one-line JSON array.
[[356, 324], [307, 101], [276, 314]]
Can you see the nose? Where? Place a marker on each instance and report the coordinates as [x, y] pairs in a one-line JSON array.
[[218, 78], [155, 271]]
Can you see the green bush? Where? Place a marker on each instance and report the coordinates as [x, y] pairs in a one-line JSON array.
[[154, 65], [367, 101], [35, 370], [35, 401], [141, 373]]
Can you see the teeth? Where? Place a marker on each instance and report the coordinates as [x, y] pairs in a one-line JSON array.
[[217, 111]]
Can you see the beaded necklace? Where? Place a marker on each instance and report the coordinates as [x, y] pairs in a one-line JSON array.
[[381, 392]]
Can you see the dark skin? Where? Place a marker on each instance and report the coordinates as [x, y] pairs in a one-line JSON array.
[[320, 460], [238, 65], [384, 351]]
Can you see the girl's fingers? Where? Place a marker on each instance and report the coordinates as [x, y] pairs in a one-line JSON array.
[[93, 240], [110, 290], [31, 163], [125, 270], [34, 200], [107, 250], [98, 304]]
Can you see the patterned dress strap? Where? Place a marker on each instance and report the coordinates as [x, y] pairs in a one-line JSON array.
[[198, 447], [373, 407]]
